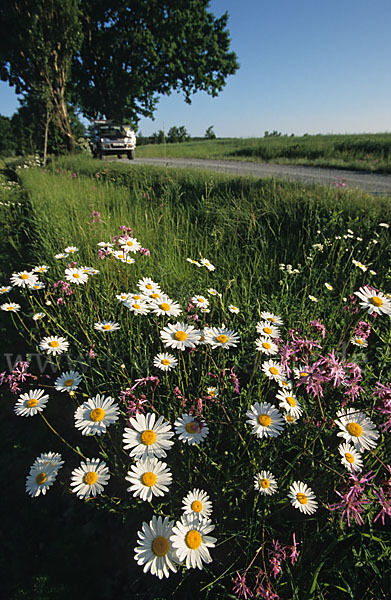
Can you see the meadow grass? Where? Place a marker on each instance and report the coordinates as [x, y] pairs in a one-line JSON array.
[[274, 245]]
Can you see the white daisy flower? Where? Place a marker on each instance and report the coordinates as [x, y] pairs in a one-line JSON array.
[[265, 483], [154, 549], [95, 415], [5, 288], [31, 403], [285, 384], [289, 419], [10, 307], [129, 244], [147, 439], [54, 345], [385, 225], [351, 459], [193, 262], [199, 301], [267, 329], [191, 540], [118, 254], [39, 316], [197, 503], [265, 420], [41, 269], [24, 279], [149, 477], [357, 341], [126, 259], [76, 276], [71, 249], [180, 336], [40, 479], [107, 326], [312, 298], [273, 370], [139, 307], [265, 345], [165, 361], [359, 265], [271, 318], [213, 292], [220, 337], [166, 306], [106, 245], [206, 263], [68, 381], [190, 430], [300, 372], [148, 287], [357, 429], [289, 403], [60, 256], [212, 391], [37, 286], [123, 296], [89, 270], [233, 309], [302, 497], [53, 460], [90, 478], [375, 302], [329, 286]]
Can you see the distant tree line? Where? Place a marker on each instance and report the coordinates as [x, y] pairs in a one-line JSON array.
[[175, 135]]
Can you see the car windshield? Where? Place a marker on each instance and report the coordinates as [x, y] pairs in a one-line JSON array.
[[112, 130]]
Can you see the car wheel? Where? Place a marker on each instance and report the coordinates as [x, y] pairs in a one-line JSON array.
[[131, 154]]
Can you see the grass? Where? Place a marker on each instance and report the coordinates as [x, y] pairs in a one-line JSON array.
[[248, 229]]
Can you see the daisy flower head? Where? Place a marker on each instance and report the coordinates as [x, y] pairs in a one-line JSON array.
[[289, 419], [199, 301], [41, 269], [54, 345], [302, 497], [358, 341], [206, 263], [24, 279], [122, 297], [312, 298], [301, 372], [129, 244], [154, 549], [49, 459], [95, 415], [60, 256], [350, 458], [194, 262], [31, 403], [5, 288], [90, 478], [37, 286], [166, 306], [190, 430], [272, 370], [233, 309], [107, 326], [197, 503], [267, 329], [149, 477], [357, 429], [289, 403], [329, 286], [358, 264], [40, 478], [71, 249], [165, 361], [148, 287], [373, 301], [213, 292], [191, 540], [220, 337], [265, 420], [212, 391], [265, 483], [39, 316], [271, 318], [285, 384], [137, 306], [77, 276], [147, 438], [10, 307], [265, 345], [180, 336], [68, 381]]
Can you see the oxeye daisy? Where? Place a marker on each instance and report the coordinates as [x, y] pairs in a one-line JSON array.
[[31, 403], [220, 337], [212, 391], [71, 249], [289, 419], [272, 369], [39, 316], [165, 361], [357, 429], [197, 503], [373, 301], [301, 372], [24, 279], [302, 497], [266, 346], [107, 326], [233, 309], [199, 301], [350, 458], [76, 276], [166, 306], [60, 256], [5, 288], [213, 292], [129, 244], [271, 318], [289, 403], [122, 297], [149, 477], [10, 307], [193, 262], [358, 341], [54, 345], [95, 415], [191, 540], [267, 329], [265, 420], [148, 287], [358, 264], [265, 483], [190, 430], [41, 269], [328, 286], [68, 381], [285, 384], [90, 478], [312, 298], [180, 336], [139, 307], [206, 263], [37, 286], [147, 439], [154, 549], [49, 459], [40, 479]]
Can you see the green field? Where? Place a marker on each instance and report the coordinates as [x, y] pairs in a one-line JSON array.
[[274, 246]]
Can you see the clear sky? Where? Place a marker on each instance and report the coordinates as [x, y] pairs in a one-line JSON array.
[[306, 66]]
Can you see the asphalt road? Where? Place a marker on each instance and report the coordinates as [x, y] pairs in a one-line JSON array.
[[369, 182]]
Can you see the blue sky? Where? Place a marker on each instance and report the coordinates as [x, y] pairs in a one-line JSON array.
[[305, 67]]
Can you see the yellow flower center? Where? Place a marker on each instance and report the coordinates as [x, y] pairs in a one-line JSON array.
[[349, 457], [180, 336], [41, 478], [201, 300], [358, 341], [273, 371], [193, 539], [264, 420], [155, 296], [302, 498], [265, 483], [303, 374], [289, 418], [97, 414], [136, 306], [24, 276], [376, 301], [291, 401], [148, 286], [76, 275], [136, 297], [272, 320], [354, 429], [211, 393], [68, 382], [266, 345], [148, 437], [196, 506], [31, 403], [166, 362], [165, 306], [149, 479], [160, 546], [54, 344], [222, 339], [267, 330], [90, 478], [191, 427], [10, 307]]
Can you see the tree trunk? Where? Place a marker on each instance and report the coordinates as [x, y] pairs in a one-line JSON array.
[[45, 139], [62, 118]]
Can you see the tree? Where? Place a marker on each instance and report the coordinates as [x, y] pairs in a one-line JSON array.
[[7, 143], [210, 134], [134, 50], [177, 134]]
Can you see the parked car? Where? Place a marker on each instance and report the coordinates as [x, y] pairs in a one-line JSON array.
[[109, 138]]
